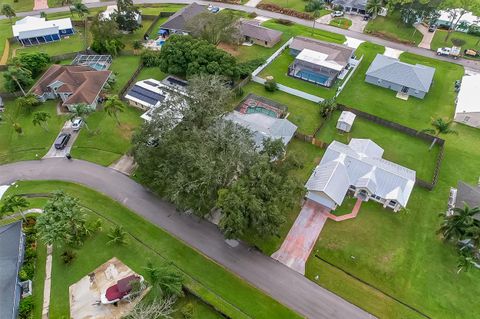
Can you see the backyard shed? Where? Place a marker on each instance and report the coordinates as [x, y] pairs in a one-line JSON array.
[[468, 102], [345, 121]]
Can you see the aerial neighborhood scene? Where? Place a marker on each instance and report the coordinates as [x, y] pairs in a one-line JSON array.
[[277, 159]]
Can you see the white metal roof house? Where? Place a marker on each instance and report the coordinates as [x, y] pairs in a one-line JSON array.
[[149, 95], [264, 126], [107, 14], [33, 30], [467, 110], [467, 20], [345, 121], [407, 79], [358, 168]]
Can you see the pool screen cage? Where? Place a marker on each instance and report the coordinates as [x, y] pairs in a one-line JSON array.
[[96, 61]]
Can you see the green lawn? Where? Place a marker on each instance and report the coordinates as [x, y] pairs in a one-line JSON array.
[[123, 67], [399, 148], [279, 68], [298, 5], [226, 291], [303, 113], [73, 43], [107, 141], [471, 41], [414, 113], [301, 30], [151, 73], [155, 9], [20, 5], [392, 28], [34, 140], [342, 23]]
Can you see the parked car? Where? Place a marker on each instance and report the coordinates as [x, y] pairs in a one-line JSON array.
[[367, 17], [62, 141], [454, 52], [213, 9], [336, 14], [77, 124], [432, 28]]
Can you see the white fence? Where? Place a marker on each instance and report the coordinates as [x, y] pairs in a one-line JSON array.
[[291, 91], [271, 58], [355, 66]]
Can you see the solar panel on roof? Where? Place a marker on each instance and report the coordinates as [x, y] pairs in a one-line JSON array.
[[177, 82], [151, 83], [145, 95]]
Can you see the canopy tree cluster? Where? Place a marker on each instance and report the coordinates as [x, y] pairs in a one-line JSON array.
[[216, 27], [126, 15], [106, 36], [201, 162], [23, 69]]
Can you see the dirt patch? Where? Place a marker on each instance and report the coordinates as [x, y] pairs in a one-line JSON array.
[[126, 130], [229, 48]]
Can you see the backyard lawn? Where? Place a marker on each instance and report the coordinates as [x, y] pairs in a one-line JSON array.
[[414, 113], [123, 68], [107, 141], [34, 140], [471, 41], [279, 68], [399, 148], [303, 113], [151, 73], [301, 30], [298, 5], [73, 43], [147, 242], [20, 5], [392, 28], [342, 23]]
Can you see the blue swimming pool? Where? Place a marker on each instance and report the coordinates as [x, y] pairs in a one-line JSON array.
[[98, 66], [312, 77]]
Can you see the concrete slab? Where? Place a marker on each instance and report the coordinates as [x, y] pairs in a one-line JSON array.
[[261, 19], [85, 294], [125, 164], [393, 53], [53, 152], [358, 24], [252, 3], [353, 43], [303, 235]]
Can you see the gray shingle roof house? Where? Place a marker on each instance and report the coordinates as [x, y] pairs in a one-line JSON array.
[[359, 169], [251, 30], [318, 61], [352, 6], [12, 243], [467, 194], [387, 72], [178, 22], [263, 126]]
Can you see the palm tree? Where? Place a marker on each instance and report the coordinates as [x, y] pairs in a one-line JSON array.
[[27, 102], [41, 118], [81, 111], [137, 45], [12, 203], [458, 225], [374, 7], [81, 11], [112, 106], [439, 127], [8, 11], [316, 14], [166, 279], [117, 236]]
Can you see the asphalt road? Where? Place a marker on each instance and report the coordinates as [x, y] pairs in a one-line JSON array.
[[283, 284], [470, 64]]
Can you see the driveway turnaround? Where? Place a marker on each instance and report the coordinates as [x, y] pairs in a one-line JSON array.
[[303, 235], [283, 284]]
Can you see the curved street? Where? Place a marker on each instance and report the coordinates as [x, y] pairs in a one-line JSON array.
[[470, 64], [277, 280]]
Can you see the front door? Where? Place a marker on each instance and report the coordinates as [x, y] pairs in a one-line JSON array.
[[405, 90]]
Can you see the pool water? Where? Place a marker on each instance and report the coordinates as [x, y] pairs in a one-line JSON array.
[[98, 66], [259, 109], [312, 77]]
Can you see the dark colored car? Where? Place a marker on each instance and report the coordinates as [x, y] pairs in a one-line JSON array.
[[62, 141], [432, 28]]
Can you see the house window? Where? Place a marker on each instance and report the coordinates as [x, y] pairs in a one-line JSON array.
[[392, 203], [379, 81]]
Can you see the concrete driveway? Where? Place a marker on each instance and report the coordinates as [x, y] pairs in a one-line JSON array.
[[427, 36], [357, 21], [53, 152], [303, 235]]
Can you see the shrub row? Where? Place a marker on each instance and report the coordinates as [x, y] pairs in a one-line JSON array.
[[279, 9]]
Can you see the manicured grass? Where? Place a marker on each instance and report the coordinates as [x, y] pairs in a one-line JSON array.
[[298, 5], [34, 140], [123, 67], [471, 41], [303, 113], [392, 28], [414, 113], [245, 53], [279, 68], [107, 141], [151, 73], [20, 5], [342, 23], [5, 33], [399, 148], [155, 9], [301, 30], [226, 289], [73, 43]]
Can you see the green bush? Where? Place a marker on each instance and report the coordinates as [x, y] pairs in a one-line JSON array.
[[27, 271], [187, 311], [68, 256], [314, 5], [150, 58], [284, 21], [22, 274], [271, 85], [25, 308]]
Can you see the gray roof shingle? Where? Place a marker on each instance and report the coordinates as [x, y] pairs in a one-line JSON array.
[[179, 20], [358, 4], [11, 253], [418, 76], [252, 29]]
